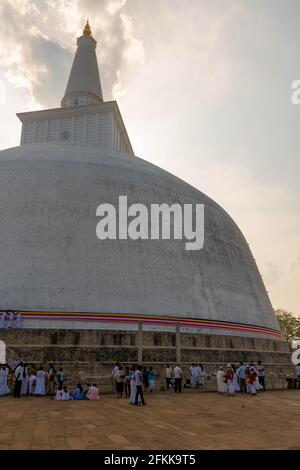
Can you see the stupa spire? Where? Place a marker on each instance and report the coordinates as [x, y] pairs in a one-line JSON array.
[[87, 29], [84, 86]]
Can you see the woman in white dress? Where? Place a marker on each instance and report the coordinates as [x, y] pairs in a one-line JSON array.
[[222, 387], [235, 380], [40, 387], [32, 382], [132, 386], [4, 390]]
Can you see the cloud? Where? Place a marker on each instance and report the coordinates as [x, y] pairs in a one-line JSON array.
[[40, 37]]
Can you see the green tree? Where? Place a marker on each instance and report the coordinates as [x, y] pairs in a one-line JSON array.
[[289, 325]]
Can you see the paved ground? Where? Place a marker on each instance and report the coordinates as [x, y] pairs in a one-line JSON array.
[[270, 420]]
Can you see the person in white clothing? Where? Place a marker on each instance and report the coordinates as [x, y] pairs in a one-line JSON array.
[[236, 384], [10, 320], [178, 378], [168, 376], [200, 377], [66, 394], [40, 387], [4, 390], [193, 370], [222, 387], [3, 320], [31, 383]]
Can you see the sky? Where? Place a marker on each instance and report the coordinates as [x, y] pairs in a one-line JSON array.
[[205, 92]]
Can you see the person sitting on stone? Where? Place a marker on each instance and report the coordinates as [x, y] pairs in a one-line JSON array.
[[93, 393], [66, 393], [59, 394], [77, 393]]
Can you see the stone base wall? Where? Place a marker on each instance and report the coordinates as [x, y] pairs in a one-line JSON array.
[[89, 355]]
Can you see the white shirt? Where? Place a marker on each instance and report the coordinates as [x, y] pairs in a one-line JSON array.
[[193, 370], [260, 370], [177, 372], [168, 372], [138, 375], [18, 373]]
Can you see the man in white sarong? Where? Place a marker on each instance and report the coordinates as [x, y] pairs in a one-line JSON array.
[[4, 390], [200, 377]]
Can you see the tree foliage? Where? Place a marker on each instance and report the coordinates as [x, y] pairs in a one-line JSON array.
[[289, 325]]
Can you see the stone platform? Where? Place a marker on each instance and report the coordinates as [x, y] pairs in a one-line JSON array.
[[169, 421], [89, 355]]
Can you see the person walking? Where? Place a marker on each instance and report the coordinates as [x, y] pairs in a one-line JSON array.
[[178, 378], [139, 386]]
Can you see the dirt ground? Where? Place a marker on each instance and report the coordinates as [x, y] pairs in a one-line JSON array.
[[187, 421]]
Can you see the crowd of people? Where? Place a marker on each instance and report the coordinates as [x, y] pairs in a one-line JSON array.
[[31, 381], [230, 380], [247, 378], [10, 319], [131, 382]]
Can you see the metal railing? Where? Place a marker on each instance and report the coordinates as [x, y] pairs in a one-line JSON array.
[[12, 358]]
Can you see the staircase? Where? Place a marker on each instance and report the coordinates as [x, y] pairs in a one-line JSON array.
[[12, 358]]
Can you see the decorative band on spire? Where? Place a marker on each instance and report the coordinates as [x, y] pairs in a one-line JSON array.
[[87, 30]]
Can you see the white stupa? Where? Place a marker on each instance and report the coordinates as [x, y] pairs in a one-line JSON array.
[[56, 271]]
